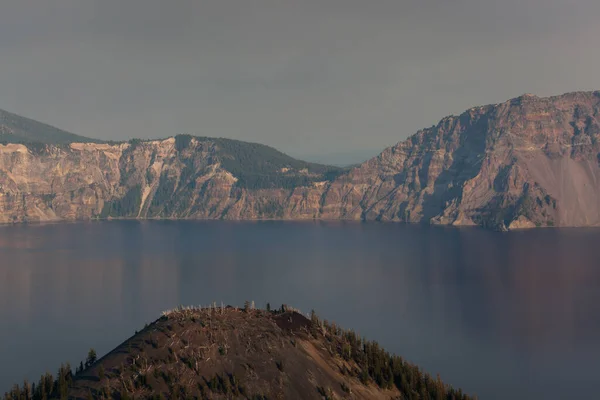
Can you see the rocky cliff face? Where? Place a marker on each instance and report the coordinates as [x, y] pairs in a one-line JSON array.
[[527, 162], [172, 178]]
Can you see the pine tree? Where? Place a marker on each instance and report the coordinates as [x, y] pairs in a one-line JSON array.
[[64, 380], [91, 358], [26, 390]]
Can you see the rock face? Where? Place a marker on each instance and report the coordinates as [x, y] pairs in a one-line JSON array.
[[527, 162], [533, 161]]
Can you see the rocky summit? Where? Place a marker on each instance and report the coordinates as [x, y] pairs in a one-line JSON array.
[[528, 162]]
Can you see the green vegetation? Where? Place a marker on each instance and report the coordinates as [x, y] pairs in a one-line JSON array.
[[134, 143], [128, 206], [363, 361], [270, 207], [384, 369], [280, 365], [162, 201], [226, 384], [256, 166], [182, 142], [91, 358], [48, 198], [326, 393], [25, 130], [47, 387], [260, 167], [537, 206], [527, 206], [346, 388]]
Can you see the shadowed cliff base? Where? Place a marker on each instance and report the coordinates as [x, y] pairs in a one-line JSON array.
[[220, 352]]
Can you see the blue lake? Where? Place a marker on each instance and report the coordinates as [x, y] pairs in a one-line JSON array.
[[502, 315]]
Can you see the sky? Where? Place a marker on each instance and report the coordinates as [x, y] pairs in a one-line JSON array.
[[310, 77]]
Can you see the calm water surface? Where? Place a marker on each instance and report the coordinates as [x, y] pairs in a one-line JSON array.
[[512, 315]]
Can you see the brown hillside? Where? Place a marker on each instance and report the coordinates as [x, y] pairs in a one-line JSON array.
[[224, 354], [228, 353]]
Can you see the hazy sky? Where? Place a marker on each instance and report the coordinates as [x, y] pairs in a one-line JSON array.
[[306, 76]]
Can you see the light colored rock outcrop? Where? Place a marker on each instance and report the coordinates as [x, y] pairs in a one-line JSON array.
[[527, 162]]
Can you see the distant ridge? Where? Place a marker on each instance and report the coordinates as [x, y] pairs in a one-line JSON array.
[[525, 163], [17, 129]]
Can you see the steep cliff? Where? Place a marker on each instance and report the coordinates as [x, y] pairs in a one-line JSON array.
[[180, 177], [527, 162]]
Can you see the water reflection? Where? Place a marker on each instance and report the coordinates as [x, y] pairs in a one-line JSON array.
[[502, 315]]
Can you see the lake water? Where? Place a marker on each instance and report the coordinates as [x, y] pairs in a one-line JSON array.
[[502, 315]]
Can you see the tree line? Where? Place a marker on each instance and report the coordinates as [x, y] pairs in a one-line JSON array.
[[379, 366], [49, 387]]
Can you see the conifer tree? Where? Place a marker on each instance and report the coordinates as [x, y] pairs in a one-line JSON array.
[[91, 358]]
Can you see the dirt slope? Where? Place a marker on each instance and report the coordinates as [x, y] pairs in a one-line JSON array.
[[225, 353]]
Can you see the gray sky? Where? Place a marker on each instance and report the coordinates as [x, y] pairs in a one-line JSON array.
[[309, 77]]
